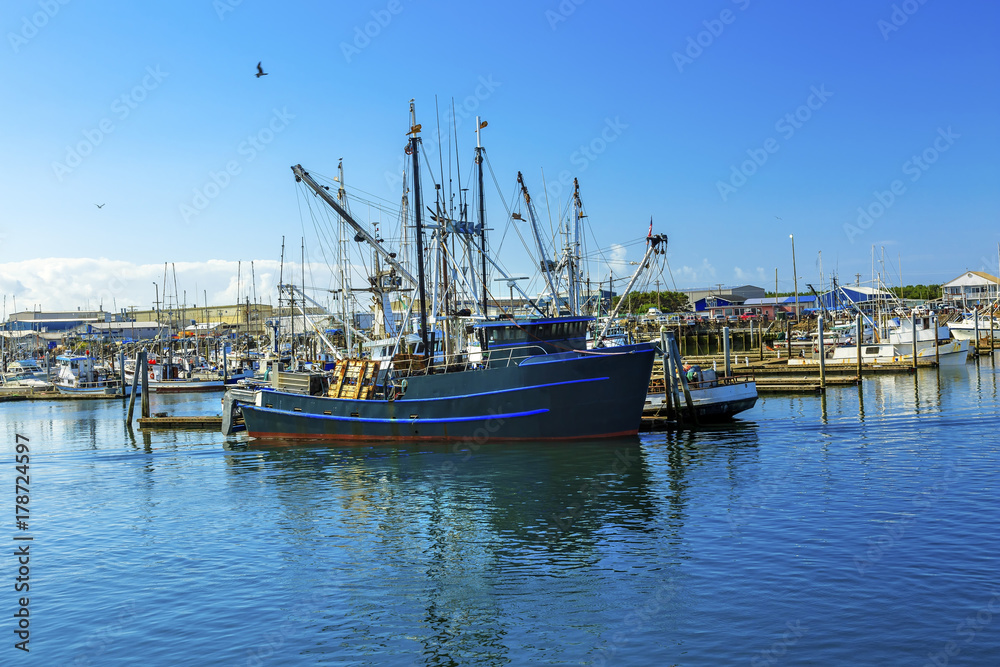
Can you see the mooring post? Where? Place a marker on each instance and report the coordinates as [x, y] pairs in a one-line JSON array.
[[993, 319], [788, 336], [860, 334], [135, 387], [727, 348], [937, 342], [977, 331], [143, 367], [760, 339], [822, 354], [121, 372], [684, 385], [913, 323], [668, 390]]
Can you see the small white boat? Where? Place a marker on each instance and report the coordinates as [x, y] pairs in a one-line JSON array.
[[965, 329], [898, 346], [713, 398], [78, 375], [179, 375]]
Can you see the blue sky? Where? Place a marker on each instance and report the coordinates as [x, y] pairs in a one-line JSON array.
[[685, 108]]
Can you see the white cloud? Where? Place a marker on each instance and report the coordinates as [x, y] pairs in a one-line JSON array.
[[617, 261], [58, 283], [758, 274], [695, 276]]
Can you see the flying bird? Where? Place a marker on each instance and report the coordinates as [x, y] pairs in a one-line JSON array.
[[99, 205], [260, 71]]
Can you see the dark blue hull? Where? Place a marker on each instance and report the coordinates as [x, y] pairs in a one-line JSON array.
[[565, 396]]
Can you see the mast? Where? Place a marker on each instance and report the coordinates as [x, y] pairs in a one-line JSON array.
[[546, 264], [482, 206], [574, 259], [414, 148], [342, 198]]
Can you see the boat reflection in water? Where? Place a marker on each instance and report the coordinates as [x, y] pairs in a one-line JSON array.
[[467, 536]]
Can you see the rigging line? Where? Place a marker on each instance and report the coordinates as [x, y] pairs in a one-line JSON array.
[[320, 233]]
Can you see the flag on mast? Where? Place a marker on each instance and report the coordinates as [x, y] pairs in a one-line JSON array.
[[650, 234]]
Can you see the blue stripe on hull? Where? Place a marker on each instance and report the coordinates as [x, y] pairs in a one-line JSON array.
[[418, 420]]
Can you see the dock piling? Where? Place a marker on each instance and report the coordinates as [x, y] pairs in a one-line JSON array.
[[822, 355], [726, 349], [142, 367], [860, 335]]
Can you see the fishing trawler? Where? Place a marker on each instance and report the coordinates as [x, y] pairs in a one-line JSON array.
[[77, 374], [526, 379]]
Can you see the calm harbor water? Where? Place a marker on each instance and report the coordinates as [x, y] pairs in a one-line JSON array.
[[860, 528]]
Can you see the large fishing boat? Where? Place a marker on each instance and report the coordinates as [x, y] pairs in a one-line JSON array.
[[519, 392], [524, 379]]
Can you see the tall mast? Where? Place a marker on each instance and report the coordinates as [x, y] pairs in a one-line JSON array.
[[342, 198], [418, 223], [574, 259], [544, 258], [482, 206]]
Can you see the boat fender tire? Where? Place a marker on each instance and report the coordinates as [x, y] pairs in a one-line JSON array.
[[402, 387]]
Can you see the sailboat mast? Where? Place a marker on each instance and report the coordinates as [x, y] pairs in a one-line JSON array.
[[482, 207], [418, 223]]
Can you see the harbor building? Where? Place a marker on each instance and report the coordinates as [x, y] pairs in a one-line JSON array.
[[971, 289]]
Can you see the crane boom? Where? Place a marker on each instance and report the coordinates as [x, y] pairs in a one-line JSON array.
[[390, 259], [654, 241]]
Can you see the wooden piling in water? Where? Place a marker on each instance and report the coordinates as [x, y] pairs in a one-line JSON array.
[[143, 369], [860, 336], [135, 387], [822, 354]]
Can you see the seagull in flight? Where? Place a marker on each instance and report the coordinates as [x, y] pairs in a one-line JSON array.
[[99, 205], [260, 71]]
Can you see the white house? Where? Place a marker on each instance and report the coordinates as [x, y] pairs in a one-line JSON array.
[[970, 289]]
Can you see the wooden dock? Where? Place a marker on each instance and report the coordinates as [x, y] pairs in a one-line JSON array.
[[198, 422], [52, 396]]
